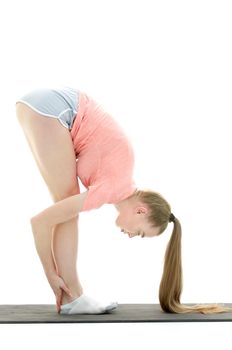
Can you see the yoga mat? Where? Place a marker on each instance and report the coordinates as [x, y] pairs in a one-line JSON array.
[[46, 313]]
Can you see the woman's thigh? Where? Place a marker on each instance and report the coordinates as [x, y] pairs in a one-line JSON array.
[[52, 147]]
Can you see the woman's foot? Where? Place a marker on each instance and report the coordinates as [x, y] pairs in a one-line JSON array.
[[87, 305]]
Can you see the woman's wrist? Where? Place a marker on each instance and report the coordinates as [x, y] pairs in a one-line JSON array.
[[51, 275]]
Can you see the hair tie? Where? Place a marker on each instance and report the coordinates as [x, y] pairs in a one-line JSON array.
[[172, 218]]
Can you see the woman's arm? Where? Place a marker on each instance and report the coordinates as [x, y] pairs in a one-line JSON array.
[[64, 210], [43, 223], [43, 239]]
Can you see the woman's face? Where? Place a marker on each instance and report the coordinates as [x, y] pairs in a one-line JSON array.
[[132, 220]]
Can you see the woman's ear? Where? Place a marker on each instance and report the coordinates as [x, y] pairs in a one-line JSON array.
[[141, 210]]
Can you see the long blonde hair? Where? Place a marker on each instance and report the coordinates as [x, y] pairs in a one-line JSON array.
[[172, 279]]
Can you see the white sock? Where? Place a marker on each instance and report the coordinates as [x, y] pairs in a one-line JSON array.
[[86, 305]]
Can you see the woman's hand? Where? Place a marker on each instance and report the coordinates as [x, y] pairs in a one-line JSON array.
[[58, 286]]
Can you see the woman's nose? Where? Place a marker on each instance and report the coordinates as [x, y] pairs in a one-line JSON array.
[[129, 234], [122, 230]]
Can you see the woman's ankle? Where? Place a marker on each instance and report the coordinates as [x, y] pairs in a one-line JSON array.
[[66, 299]]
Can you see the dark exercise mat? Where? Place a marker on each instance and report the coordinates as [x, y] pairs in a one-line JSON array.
[[124, 313]]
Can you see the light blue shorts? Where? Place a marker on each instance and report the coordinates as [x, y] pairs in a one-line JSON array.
[[61, 104]]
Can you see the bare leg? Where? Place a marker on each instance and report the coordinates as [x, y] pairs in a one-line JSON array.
[[65, 243], [52, 148]]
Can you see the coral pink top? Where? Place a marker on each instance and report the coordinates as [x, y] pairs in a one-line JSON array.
[[105, 158]]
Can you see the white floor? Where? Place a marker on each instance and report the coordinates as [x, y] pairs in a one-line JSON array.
[[131, 336]]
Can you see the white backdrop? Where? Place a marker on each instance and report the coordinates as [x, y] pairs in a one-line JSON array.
[[163, 70]]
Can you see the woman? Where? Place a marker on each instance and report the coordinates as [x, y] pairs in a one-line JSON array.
[[71, 135]]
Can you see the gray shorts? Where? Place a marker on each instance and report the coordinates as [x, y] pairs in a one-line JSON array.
[[61, 104]]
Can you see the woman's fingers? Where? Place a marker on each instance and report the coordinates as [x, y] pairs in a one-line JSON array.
[[59, 296], [58, 299], [57, 307], [66, 290]]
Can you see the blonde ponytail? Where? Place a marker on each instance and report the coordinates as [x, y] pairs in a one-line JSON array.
[[172, 278]]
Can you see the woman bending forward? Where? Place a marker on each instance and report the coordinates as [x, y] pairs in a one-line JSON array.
[[73, 138]]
